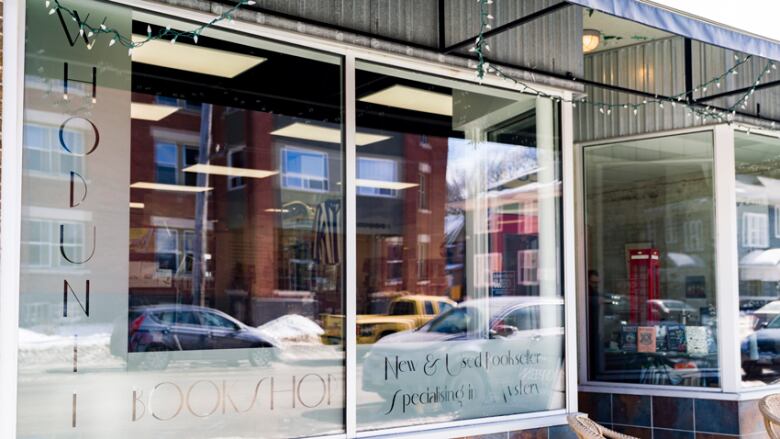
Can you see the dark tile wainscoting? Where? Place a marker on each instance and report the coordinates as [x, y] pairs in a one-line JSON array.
[[660, 417]]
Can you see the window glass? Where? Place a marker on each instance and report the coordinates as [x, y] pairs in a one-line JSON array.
[[444, 170], [456, 321], [402, 308], [371, 170], [190, 308], [758, 250], [305, 169], [211, 319], [651, 282], [166, 161]]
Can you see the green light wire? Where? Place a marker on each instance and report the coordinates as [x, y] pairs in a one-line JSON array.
[[167, 33], [684, 99]]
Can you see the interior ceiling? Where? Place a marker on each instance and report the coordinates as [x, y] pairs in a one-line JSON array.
[[617, 32], [752, 149], [623, 164]]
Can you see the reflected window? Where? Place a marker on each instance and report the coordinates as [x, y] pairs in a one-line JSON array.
[[755, 229], [236, 159], [369, 168], [166, 244], [166, 160], [304, 169]]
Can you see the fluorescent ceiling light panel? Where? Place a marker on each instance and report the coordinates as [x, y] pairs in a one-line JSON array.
[[192, 58], [168, 187], [277, 210], [410, 98], [379, 184], [305, 131], [151, 112], [229, 171], [137, 205]]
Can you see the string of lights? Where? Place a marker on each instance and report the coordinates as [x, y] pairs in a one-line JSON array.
[[483, 66], [684, 99], [90, 30]]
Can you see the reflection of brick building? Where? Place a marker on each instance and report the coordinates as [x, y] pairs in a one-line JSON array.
[[425, 163], [401, 232], [258, 232]]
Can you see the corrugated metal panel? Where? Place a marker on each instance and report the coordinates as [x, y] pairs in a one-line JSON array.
[[658, 67], [715, 61], [654, 67], [411, 20], [550, 43]]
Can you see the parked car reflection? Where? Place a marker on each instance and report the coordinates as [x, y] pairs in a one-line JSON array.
[[160, 329], [766, 313], [761, 351]]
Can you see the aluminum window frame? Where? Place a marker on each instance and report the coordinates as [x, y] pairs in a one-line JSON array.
[[726, 272]]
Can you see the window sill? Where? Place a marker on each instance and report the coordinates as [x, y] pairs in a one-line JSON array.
[[474, 427]]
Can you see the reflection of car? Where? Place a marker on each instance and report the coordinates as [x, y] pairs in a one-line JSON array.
[[749, 304], [762, 349], [766, 313], [164, 328], [527, 323], [404, 313], [666, 310]]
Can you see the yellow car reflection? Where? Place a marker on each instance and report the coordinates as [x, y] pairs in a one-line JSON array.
[[404, 313]]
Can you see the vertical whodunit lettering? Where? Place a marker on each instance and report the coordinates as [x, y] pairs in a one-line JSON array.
[[68, 289]]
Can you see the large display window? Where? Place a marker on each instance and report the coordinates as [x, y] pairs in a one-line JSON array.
[[650, 258], [758, 238], [182, 235], [184, 251], [459, 288]]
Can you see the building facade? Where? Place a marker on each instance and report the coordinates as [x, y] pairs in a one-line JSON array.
[[311, 219]]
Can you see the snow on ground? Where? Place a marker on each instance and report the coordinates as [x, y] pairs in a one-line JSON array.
[[292, 328], [53, 347]]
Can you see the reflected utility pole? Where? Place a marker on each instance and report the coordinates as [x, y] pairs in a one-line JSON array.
[[201, 211]]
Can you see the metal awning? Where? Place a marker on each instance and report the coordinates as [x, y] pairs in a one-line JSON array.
[[686, 25]]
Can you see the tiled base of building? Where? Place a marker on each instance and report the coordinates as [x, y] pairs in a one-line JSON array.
[[657, 417]]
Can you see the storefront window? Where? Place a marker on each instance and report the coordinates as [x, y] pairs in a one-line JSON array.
[[182, 234], [758, 205], [459, 297], [650, 257]]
